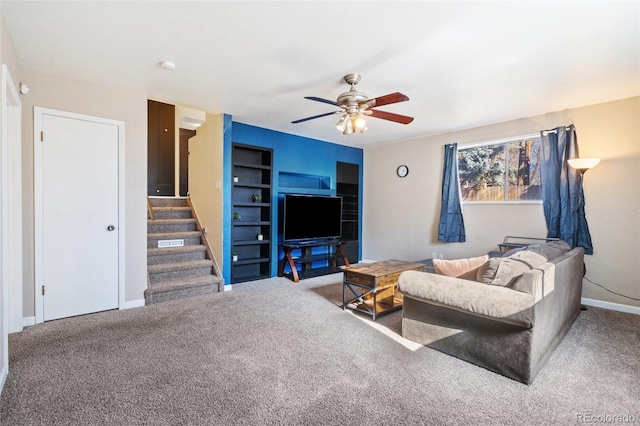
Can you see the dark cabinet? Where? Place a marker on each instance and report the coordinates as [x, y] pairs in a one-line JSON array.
[[251, 213], [348, 187], [161, 145]]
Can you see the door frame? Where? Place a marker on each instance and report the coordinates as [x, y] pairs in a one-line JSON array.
[[10, 283], [38, 114]]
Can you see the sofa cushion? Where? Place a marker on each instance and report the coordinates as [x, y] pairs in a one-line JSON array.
[[487, 271], [503, 271], [499, 303], [512, 267], [459, 267], [552, 249]]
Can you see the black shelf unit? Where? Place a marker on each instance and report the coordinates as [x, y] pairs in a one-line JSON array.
[[252, 176], [301, 261], [348, 187]]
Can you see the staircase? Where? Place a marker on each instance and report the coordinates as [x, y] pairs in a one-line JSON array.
[[176, 272]]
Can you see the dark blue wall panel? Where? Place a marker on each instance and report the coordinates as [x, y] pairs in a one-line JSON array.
[[292, 156]]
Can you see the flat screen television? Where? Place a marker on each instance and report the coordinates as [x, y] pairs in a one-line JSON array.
[[309, 217]]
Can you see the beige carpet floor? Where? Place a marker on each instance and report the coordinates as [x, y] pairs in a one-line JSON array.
[[273, 352]]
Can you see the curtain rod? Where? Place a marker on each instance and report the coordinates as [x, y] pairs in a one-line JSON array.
[[546, 132], [499, 141]]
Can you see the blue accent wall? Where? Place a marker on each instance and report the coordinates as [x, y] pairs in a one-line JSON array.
[[293, 157]]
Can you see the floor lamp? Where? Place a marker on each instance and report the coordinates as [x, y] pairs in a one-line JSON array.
[[582, 165]]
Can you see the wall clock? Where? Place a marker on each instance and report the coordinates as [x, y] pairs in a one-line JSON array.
[[402, 171]]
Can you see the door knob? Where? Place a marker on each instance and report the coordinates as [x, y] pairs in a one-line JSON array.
[[111, 228]]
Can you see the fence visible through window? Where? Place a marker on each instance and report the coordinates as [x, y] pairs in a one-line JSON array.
[[505, 171]]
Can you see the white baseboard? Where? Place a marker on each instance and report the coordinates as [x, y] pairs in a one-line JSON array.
[[28, 321], [367, 261], [228, 287], [611, 306], [134, 304]]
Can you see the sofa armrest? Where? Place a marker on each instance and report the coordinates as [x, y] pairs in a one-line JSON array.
[[494, 302]]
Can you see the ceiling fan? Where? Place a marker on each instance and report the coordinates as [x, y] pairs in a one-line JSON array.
[[355, 106]]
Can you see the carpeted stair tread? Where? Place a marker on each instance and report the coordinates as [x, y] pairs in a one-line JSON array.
[[171, 250], [183, 288], [167, 202], [171, 212], [172, 235], [177, 220], [186, 283], [172, 208], [186, 253], [171, 225], [179, 266]]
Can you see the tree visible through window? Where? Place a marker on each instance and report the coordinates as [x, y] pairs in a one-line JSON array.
[[506, 171]]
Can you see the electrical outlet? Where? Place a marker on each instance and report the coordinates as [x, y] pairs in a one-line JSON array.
[[434, 255]]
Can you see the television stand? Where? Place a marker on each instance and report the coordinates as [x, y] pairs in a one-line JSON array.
[[311, 265]]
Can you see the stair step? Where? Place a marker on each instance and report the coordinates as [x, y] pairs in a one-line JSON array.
[[172, 213], [168, 202], [176, 254], [170, 225], [182, 271], [179, 270], [190, 238], [178, 289]]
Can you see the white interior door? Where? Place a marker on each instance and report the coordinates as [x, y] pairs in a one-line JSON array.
[[79, 215]]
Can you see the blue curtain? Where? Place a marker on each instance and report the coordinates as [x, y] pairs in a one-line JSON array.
[[451, 226], [562, 194]]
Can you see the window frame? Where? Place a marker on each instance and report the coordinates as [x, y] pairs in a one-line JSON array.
[[501, 141]]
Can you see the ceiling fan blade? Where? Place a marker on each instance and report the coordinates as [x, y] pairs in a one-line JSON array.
[[315, 116], [402, 119], [391, 98], [326, 101]]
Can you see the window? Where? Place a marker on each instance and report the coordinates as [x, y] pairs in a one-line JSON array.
[[499, 172]]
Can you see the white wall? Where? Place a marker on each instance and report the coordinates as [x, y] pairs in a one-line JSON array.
[[81, 97], [401, 215]]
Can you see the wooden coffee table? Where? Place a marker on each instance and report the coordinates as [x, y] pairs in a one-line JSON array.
[[373, 287]]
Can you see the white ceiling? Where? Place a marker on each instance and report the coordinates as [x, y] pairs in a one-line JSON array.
[[462, 64]]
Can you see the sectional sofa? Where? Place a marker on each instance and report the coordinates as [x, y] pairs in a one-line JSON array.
[[507, 315]]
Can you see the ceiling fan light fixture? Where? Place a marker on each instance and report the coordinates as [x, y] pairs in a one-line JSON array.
[[342, 123], [356, 106], [359, 122], [349, 127]]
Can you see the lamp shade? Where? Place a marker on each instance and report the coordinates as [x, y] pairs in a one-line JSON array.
[[583, 163]]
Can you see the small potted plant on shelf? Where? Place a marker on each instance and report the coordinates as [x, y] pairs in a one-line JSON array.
[[236, 216], [235, 257], [256, 198]]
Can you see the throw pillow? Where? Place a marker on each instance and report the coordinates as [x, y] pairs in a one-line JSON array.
[[458, 267], [512, 267], [487, 271]]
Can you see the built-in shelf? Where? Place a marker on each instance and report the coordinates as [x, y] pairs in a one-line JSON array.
[[347, 187], [301, 181], [252, 178]]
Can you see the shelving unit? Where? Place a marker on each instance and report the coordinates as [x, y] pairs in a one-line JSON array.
[[252, 177], [305, 262], [347, 187]]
